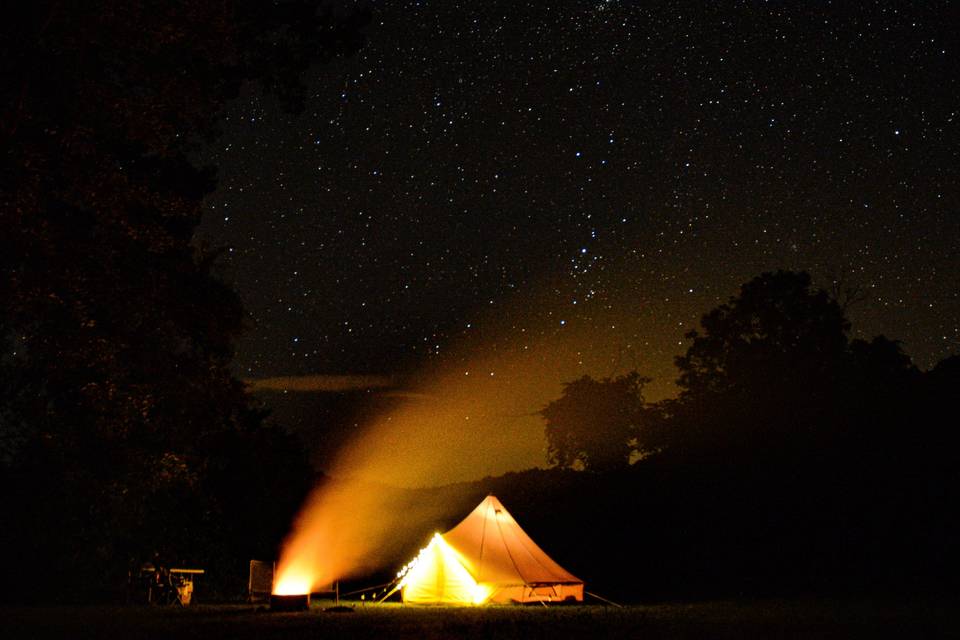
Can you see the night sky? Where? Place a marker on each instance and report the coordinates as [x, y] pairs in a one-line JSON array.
[[493, 197]]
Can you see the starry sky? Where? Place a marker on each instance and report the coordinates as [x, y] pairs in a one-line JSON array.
[[491, 198]]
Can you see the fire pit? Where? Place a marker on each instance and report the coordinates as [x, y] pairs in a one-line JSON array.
[[295, 602]]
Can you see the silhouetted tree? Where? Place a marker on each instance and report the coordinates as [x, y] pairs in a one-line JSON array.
[[808, 447], [596, 424], [116, 338], [761, 368], [778, 326]]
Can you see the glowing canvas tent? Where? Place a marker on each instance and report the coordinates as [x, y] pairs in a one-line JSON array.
[[487, 558], [437, 576]]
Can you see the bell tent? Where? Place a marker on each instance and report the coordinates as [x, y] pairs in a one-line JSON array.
[[487, 558]]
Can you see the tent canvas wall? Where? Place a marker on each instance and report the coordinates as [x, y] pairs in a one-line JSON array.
[[503, 563], [439, 577]]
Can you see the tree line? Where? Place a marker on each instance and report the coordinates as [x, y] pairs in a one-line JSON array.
[[793, 457]]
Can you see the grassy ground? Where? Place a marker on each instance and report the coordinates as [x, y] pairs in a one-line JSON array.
[[733, 619]]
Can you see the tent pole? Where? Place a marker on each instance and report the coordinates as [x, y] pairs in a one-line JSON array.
[[392, 591], [603, 599]]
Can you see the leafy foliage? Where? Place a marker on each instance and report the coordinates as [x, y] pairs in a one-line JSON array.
[[762, 371], [777, 327], [116, 339], [596, 424]]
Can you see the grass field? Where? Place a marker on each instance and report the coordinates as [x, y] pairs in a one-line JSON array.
[[730, 619]]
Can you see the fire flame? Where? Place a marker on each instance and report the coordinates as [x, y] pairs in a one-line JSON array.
[[328, 540], [292, 583], [347, 528]]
